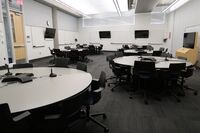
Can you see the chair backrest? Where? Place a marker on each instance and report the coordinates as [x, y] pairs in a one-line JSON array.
[[24, 65], [110, 57], [73, 54], [175, 69], [62, 62], [144, 47], [102, 79], [110, 60], [59, 53], [81, 66], [149, 47], [118, 54], [100, 85], [5, 114], [2, 67], [72, 106], [67, 47], [157, 53], [144, 67], [162, 49]]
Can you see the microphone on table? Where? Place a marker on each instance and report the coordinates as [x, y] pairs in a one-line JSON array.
[[52, 74], [8, 70]]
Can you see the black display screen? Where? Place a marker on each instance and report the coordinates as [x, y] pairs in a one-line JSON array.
[[50, 33], [104, 34], [189, 40], [142, 34]]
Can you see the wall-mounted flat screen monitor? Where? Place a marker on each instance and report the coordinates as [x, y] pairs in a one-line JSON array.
[[189, 40], [50, 33], [141, 33], [104, 34]]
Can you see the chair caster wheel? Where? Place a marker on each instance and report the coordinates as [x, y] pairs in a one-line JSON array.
[[195, 93], [104, 116], [130, 97], [146, 102], [112, 90], [106, 130]]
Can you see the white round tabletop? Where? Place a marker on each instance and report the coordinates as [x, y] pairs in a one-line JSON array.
[[68, 50], [43, 90], [159, 64], [133, 51]]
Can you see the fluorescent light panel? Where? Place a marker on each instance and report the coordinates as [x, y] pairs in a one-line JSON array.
[[175, 5], [117, 7], [178, 4], [95, 6]]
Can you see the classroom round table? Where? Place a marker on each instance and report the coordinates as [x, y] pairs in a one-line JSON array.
[[133, 51], [43, 90], [160, 62]]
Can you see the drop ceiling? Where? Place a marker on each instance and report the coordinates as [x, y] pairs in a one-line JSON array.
[[97, 7]]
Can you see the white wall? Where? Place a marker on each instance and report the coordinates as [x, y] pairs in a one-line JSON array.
[[3, 52], [124, 33], [36, 16], [184, 17], [67, 29]]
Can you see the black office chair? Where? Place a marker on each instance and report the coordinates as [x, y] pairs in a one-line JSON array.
[[67, 47], [25, 65], [157, 53], [186, 74], [141, 52], [62, 62], [99, 48], [92, 49], [73, 55], [18, 124], [83, 55], [149, 47], [121, 74], [66, 113], [3, 67], [125, 47], [109, 59], [145, 74], [59, 53], [162, 49], [118, 54], [97, 86], [81, 66], [174, 75]]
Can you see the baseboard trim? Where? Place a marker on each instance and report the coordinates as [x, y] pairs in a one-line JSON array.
[[40, 58], [108, 51]]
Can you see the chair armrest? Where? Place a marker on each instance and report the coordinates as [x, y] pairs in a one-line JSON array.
[[95, 80], [94, 84], [21, 116], [98, 90]]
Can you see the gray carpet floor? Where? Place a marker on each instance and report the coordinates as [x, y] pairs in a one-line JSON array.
[[126, 115]]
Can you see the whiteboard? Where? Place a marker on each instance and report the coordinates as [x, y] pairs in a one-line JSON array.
[[38, 36], [66, 37]]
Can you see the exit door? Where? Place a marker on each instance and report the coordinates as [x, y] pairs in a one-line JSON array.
[[18, 36]]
